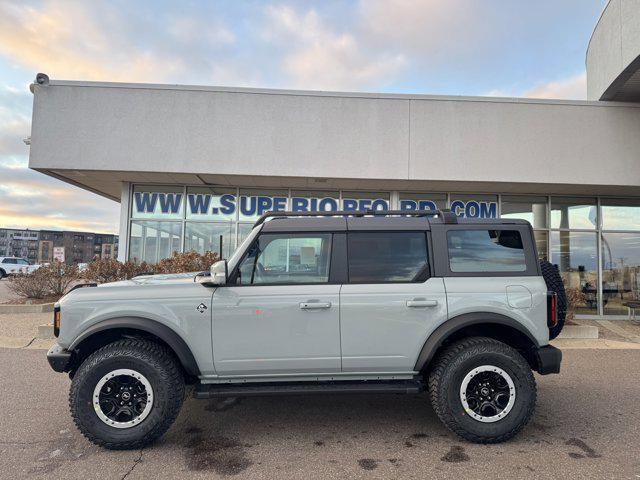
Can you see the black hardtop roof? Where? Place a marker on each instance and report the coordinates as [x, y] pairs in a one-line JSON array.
[[378, 220]]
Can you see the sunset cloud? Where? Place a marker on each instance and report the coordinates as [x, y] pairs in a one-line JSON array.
[[572, 88]]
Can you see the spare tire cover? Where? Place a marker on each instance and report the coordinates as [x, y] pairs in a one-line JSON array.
[[554, 283]]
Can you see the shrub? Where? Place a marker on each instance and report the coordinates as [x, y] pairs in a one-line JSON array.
[[575, 298], [110, 270], [30, 285], [56, 278], [186, 262], [59, 277]]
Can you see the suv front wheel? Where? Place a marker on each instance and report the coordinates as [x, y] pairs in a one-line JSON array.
[[127, 394], [482, 389]]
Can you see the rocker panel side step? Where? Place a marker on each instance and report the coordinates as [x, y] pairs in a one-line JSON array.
[[204, 391]]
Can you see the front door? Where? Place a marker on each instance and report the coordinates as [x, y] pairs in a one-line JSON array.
[[390, 305], [280, 315]]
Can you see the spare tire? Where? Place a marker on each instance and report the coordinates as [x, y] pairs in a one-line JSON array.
[[554, 283]]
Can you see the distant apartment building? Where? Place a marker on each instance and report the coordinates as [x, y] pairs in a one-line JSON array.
[[41, 246], [76, 247], [19, 243]]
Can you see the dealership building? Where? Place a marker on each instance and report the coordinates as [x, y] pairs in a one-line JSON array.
[[193, 166]]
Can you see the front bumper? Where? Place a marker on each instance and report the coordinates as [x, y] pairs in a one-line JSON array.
[[59, 358], [548, 359]]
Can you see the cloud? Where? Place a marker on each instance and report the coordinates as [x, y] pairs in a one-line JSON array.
[[572, 88], [426, 29], [319, 57], [15, 120], [30, 199], [106, 41]]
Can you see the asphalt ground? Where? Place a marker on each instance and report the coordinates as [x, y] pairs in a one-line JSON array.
[[586, 425]]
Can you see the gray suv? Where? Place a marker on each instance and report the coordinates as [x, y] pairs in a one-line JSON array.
[[342, 302]]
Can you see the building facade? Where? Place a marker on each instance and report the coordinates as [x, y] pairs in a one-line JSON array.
[[76, 247], [193, 167], [19, 243]]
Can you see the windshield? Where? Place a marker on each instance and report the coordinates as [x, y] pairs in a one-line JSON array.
[[233, 260]]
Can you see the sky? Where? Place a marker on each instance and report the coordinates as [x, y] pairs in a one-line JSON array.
[[513, 48]]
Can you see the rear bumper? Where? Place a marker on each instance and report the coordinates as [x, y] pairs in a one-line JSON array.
[[59, 358], [548, 359]]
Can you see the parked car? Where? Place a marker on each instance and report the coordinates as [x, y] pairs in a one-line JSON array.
[[13, 265], [343, 302]]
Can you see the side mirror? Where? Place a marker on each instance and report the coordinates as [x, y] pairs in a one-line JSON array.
[[219, 273]]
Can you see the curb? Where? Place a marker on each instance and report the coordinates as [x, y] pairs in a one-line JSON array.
[[41, 308], [579, 332]]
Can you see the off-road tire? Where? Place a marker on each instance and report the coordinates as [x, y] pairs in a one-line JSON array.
[[554, 283], [448, 372], [152, 360]]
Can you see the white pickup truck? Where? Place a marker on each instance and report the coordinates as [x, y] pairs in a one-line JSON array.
[[13, 265]]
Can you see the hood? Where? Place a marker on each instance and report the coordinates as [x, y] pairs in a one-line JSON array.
[[160, 279]]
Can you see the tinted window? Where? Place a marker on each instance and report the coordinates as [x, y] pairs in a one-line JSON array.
[[485, 251], [380, 257], [22, 261], [287, 259]]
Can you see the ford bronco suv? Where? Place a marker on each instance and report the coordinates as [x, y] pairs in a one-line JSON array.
[[372, 302]]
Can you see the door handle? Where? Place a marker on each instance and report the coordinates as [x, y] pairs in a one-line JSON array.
[[314, 305], [421, 303]]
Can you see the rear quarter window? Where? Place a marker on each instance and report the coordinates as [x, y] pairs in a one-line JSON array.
[[475, 251]]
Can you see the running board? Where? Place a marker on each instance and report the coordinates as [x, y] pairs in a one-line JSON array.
[[204, 391]]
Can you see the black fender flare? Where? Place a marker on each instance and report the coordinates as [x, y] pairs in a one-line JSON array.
[[451, 326], [160, 330]]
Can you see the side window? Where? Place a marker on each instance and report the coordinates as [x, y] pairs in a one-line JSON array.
[[8, 260], [22, 261], [387, 257], [485, 251], [287, 259]]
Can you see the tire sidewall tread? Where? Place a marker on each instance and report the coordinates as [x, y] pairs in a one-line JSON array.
[[450, 368], [152, 360]]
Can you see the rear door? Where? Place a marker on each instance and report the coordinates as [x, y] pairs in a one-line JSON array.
[[280, 314], [390, 303]]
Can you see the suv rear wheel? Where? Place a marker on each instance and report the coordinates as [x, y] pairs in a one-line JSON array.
[[127, 394], [483, 390]]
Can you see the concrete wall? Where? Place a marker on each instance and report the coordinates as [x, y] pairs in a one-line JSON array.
[[134, 128], [614, 45]]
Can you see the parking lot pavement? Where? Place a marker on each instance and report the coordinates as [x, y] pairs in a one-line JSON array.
[[5, 293], [586, 426]]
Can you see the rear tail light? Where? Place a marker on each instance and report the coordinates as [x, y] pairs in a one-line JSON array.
[[552, 309], [56, 321]]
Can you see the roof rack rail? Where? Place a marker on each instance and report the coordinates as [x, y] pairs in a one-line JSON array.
[[447, 216]]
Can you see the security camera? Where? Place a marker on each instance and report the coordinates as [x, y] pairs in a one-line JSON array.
[[42, 79]]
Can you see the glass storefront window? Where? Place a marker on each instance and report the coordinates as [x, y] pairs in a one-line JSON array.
[[151, 241], [529, 208], [620, 214], [422, 201], [157, 202], [244, 229], [253, 203], [204, 237], [474, 206], [574, 212], [542, 243], [353, 201], [211, 203], [575, 254], [620, 271]]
